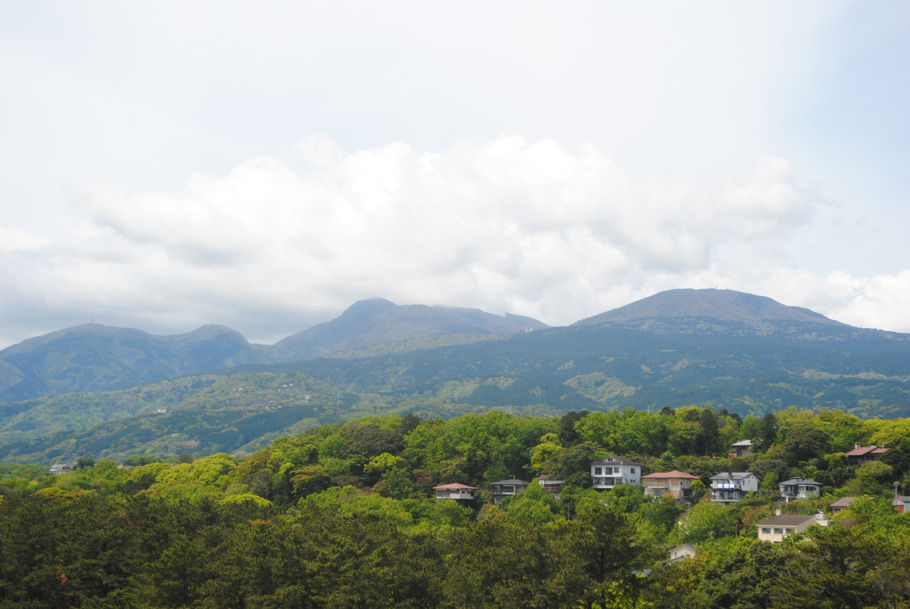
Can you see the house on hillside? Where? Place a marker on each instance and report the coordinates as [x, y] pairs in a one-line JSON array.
[[607, 473], [507, 488], [862, 454], [456, 491], [730, 487], [60, 468], [841, 504], [675, 483], [901, 503], [551, 485], [743, 448], [799, 488], [774, 529], [686, 550]]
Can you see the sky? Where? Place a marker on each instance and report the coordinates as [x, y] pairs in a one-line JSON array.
[[264, 165]]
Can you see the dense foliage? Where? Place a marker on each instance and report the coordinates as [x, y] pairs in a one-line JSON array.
[[343, 516]]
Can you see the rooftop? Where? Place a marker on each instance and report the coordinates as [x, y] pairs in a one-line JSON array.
[[671, 474], [791, 520]]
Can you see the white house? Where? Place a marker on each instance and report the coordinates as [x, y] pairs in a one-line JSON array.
[[799, 488], [686, 550], [774, 529], [730, 487], [607, 473], [456, 491], [674, 483]]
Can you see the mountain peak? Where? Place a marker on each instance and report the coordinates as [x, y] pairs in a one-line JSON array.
[[674, 306]]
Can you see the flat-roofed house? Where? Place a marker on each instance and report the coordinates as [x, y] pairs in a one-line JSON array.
[[730, 487], [675, 483], [799, 488], [774, 529], [507, 488], [456, 491], [609, 472]]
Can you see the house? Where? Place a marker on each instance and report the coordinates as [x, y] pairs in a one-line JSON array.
[[551, 485], [799, 488], [862, 454], [901, 503], [774, 529], [842, 504], [60, 468], [456, 491], [743, 448], [507, 488], [674, 483], [686, 550], [730, 487], [607, 473]]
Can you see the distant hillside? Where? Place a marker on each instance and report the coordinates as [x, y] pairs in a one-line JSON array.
[[92, 357], [717, 311], [739, 352], [378, 326]]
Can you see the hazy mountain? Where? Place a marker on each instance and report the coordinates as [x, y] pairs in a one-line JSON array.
[[93, 357], [718, 311], [737, 351], [377, 325]]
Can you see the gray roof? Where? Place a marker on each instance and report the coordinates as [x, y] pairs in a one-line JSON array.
[[787, 520], [743, 443], [843, 502], [732, 476], [793, 481], [511, 481], [616, 461]]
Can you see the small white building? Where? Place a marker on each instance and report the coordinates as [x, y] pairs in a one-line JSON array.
[[799, 488], [455, 491], [774, 529], [686, 550], [609, 472], [730, 487]]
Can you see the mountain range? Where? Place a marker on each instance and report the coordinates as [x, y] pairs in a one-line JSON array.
[[86, 391]]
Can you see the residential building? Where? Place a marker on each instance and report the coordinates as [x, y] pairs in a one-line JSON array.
[[862, 454], [841, 504], [675, 483], [774, 529], [686, 550], [456, 491], [901, 503], [551, 485], [799, 488], [730, 487], [607, 473], [743, 448], [507, 488], [60, 468]]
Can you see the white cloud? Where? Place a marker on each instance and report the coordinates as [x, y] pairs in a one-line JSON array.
[[505, 224]]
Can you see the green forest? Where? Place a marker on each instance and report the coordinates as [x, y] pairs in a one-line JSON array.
[[344, 515]]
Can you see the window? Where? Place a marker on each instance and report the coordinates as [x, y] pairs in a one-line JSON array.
[[633, 470], [778, 531], [597, 471], [766, 530]]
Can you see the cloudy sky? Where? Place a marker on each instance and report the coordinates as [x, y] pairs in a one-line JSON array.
[[264, 165]]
